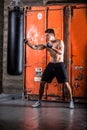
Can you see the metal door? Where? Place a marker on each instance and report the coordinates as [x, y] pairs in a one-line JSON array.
[[55, 21], [37, 19], [79, 51], [35, 60]]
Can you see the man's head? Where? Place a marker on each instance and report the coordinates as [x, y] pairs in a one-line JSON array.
[[50, 34], [49, 30]]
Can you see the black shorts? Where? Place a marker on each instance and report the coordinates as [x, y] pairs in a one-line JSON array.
[[57, 70]]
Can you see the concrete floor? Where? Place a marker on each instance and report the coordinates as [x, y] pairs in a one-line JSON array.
[[17, 114]]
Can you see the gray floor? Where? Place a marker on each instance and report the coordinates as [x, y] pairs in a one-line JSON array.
[[17, 114]]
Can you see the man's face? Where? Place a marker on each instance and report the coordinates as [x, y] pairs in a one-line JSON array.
[[49, 36]]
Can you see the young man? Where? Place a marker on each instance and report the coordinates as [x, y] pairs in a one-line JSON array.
[[55, 67]]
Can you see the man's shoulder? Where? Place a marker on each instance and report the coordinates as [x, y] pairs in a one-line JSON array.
[[59, 41]]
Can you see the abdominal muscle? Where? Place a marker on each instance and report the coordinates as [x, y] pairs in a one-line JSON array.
[[57, 59]]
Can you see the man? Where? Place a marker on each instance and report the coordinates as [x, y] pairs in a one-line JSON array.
[[55, 67]]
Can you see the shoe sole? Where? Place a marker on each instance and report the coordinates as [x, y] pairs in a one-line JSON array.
[[36, 106]]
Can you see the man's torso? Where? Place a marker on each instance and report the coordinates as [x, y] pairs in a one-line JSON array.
[[58, 57]]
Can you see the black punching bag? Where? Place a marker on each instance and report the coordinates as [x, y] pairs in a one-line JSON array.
[[15, 41]]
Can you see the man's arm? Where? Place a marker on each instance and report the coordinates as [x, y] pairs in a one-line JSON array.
[[60, 48], [35, 47]]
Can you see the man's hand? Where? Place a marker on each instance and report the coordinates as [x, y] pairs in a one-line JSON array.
[[25, 41], [49, 45]]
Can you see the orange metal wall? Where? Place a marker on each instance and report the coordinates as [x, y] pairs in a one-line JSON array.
[[35, 26], [37, 19], [79, 51], [55, 20]]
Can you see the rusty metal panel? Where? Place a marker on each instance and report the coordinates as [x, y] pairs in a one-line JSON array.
[[79, 51], [35, 60], [55, 21], [37, 20]]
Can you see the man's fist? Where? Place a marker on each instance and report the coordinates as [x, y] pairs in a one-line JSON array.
[[25, 40], [49, 45]]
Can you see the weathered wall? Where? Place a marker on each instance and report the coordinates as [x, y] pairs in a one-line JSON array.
[[11, 84], [1, 41]]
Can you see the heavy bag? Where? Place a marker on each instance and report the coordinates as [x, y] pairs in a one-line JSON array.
[[15, 41]]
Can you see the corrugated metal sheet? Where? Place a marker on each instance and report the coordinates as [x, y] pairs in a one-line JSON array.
[[36, 21]]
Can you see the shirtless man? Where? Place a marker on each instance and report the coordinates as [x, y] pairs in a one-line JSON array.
[[55, 67]]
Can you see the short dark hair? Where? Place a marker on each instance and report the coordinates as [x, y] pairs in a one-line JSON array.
[[49, 30]]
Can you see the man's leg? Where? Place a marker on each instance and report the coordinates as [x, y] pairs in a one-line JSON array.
[[70, 92], [69, 88], [41, 91]]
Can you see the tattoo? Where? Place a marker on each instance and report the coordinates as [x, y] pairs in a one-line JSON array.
[[36, 47]]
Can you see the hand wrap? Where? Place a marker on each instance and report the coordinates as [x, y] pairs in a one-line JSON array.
[[49, 45], [25, 40]]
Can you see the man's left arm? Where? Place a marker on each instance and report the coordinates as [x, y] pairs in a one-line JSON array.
[[60, 48]]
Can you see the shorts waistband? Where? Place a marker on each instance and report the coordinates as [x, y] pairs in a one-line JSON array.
[[56, 62]]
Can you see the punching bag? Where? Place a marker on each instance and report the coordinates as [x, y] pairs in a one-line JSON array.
[[15, 41]]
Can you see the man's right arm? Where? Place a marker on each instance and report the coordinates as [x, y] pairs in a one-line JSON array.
[[35, 47]]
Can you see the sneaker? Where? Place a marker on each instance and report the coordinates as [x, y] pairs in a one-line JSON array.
[[37, 104], [71, 104]]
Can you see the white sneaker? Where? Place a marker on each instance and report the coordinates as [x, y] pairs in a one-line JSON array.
[[37, 104], [71, 104]]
